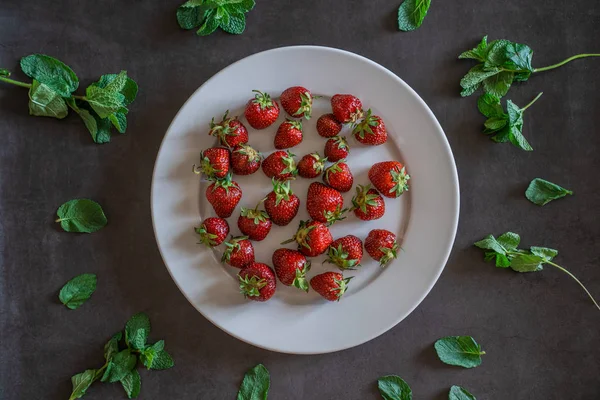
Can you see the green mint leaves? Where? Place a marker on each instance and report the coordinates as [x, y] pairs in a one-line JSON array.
[[505, 253], [81, 215], [542, 192], [255, 385], [78, 290], [459, 393], [462, 351], [503, 126], [51, 95], [120, 365], [411, 14], [393, 387], [208, 15]]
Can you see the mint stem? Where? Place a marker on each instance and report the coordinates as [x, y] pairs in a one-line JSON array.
[[13, 82], [576, 280], [532, 101], [560, 64]]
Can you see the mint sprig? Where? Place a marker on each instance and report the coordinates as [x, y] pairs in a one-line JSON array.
[[51, 94], [208, 15]]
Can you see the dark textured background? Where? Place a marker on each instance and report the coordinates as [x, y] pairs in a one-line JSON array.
[[540, 332]]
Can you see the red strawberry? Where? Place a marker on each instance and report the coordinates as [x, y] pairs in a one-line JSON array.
[[311, 165], [324, 204], [254, 223], [346, 252], [291, 268], [338, 176], [281, 204], [336, 148], [261, 112], [368, 203], [371, 130], [297, 101], [257, 282], [214, 162], [230, 131], [239, 252], [390, 178], [280, 165], [213, 231], [289, 134], [346, 108], [382, 246], [245, 160], [330, 285], [313, 238], [328, 126], [224, 195]]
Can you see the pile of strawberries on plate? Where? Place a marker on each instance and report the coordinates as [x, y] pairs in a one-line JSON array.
[[324, 201]]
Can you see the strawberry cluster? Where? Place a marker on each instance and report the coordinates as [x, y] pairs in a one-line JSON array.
[[324, 202]]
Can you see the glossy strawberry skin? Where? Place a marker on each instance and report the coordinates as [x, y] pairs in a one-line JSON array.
[[289, 134], [245, 160], [330, 285], [255, 230], [336, 148], [224, 199], [379, 239], [346, 252], [390, 178], [297, 101], [281, 206], [346, 108], [313, 238], [339, 177], [261, 112], [239, 252], [214, 162], [324, 204], [280, 165], [230, 131], [264, 274], [311, 165], [328, 126], [368, 204], [371, 130], [213, 231], [291, 267]]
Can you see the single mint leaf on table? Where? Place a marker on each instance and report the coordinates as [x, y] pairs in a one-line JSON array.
[[81, 215], [119, 366], [255, 385], [542, 192], [411, 14], [51, 72], [393, 387], [78, 290], [112, 346], [460, 393], [45, 102], [137, 331], [132, 384], [81, 382], [462, 351]]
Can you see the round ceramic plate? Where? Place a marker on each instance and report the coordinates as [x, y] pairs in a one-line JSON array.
[[424, 218]]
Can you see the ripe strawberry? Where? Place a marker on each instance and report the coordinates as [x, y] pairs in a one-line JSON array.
[[330, 285], [336, 148], [297, 101], [257, 282], [239, 252], [324, 204], [338, 176], [291, 268], [311, 165], [254, 223], [371, 130], [230, 131], [261, 112], [289, 134], [346, 252], [382, 246], [281, 204], [214, 162], [224, 195], [313, 238], [346, 108], [390, 178], [280, 165], [213, 231], [245, 160], [328, 126], [368, 204]]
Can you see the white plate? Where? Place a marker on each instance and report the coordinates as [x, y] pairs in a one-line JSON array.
[[425, 218]]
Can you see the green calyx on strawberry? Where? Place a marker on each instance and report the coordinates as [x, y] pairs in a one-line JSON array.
[[389, 178], [290, 164], [366, 125], [300, 281], [214, 162], [338, 256], [282, 190], [330, 285], [230, 246], [224, 183], [305, 108], [336, 215], [313, 238], [213, 231], [363, 198], [206, 238], [389, 254], [401, 181], [230, 131], [250, 285], [262, 99], [255, 214]]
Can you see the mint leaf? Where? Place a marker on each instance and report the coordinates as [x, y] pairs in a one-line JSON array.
[[78, 290], [255, 385], [45, 102], [393, 387], [509, 240], [112, 346], [211, 23], [4, 72], [191, 14], [236, 24], [155, 357], [527, 263], [81, 215], [459, 393], [489, 105], [542, 192], [479, 53], [499, 83], [119, 366], [544, 252], [490, 243], [81, 382], [208, 15], [132, 384], [99, 127], [462, 351], [104, 101], [474, 79], [51, 72], [519, 57], [137, 331], [128, 89], [411, 14]]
